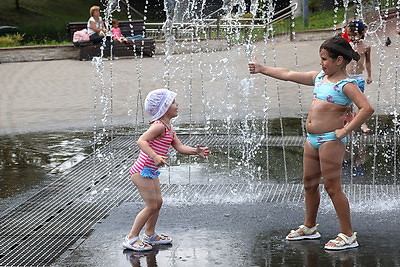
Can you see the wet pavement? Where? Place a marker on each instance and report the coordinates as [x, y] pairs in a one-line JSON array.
[[240, 234], [32, 161]]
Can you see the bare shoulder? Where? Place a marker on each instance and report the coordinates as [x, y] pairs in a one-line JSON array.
[[156, 129], [350, 87], [157, 126], [313, 74]]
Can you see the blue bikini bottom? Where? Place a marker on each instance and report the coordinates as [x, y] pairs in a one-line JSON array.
[[316, 140], [149, 172]]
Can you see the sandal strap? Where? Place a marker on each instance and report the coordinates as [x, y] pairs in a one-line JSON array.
[[153, 237], [132, 241], [348, 239], [338, 243], [150, 238], [308, 231]]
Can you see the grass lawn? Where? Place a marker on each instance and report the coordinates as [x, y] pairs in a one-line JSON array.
[[45, 21]]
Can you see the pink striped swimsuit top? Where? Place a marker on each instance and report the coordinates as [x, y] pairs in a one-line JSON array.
[[160, 146]]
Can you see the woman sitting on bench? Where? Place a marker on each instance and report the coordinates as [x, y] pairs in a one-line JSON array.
[[95, 25]]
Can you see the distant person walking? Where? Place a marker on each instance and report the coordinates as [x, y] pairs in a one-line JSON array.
[[355, 69]]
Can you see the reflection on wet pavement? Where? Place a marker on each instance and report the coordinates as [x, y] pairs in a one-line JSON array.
[[240, 234], [30, 161]]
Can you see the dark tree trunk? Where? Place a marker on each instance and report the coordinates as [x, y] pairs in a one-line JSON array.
[[17, 4]]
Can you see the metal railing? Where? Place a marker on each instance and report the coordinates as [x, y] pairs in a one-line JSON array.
[[216, 27]]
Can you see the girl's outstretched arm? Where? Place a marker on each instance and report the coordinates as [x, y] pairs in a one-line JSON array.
[[365, 110], [306, 78], [155, 131], [188, 150]]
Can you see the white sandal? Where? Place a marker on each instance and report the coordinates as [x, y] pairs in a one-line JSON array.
[[345, 242], [141, 246], [164, 239], [308, 233]]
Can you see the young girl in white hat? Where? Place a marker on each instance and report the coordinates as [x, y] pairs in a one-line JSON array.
[[154, 145]]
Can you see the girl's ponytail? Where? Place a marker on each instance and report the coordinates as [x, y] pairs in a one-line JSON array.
[[338, 46]]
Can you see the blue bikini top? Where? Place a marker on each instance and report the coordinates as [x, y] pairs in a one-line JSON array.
[[332, 92]]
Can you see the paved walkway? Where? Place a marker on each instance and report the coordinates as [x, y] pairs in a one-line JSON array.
[[54, 95]]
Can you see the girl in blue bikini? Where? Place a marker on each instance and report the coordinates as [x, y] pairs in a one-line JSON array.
[[326, 141]]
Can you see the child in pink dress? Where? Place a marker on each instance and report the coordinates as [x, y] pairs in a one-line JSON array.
[[116, 32]]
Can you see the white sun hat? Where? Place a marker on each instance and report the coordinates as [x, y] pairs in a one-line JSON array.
[[157, 102]]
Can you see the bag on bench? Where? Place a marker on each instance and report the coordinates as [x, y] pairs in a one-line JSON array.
[[81, 36]]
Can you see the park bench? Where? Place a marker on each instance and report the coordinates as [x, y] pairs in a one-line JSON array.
[[87, 49]]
